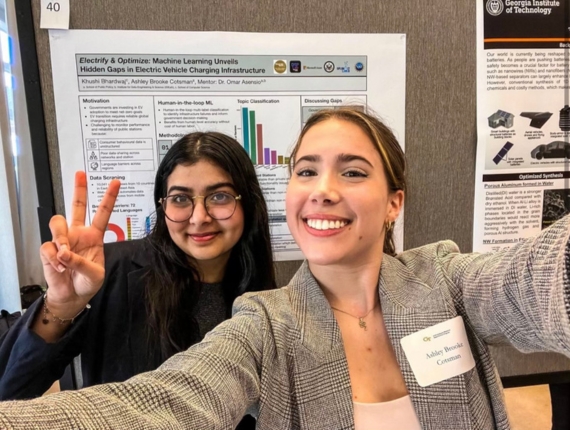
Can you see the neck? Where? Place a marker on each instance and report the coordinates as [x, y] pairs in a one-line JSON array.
[[351, 289], [212, 271]]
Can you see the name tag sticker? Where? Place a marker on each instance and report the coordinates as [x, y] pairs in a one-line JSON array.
[[439, 352]]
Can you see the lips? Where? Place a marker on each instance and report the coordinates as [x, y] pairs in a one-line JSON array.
[[203, 237], [325, 225]]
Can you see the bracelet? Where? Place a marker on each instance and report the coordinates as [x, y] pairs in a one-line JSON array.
[[57, 319]]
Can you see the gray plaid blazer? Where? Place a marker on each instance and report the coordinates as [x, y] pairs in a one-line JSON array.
[[281, 356]]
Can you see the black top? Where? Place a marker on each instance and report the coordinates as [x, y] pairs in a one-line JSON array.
[[210, 309]]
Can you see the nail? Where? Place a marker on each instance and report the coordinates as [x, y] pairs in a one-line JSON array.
[[61, 268]]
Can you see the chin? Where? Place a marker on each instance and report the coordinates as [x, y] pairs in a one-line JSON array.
[[323, 258]]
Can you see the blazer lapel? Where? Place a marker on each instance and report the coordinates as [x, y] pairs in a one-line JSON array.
[[409, 305], [321, 379]]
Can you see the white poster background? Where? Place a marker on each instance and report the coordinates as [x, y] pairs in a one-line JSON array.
[[115, 124]]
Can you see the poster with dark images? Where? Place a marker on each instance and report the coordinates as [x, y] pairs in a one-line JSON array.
[[523, 119]]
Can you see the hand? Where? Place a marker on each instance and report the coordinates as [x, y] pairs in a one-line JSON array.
[[74, 262]]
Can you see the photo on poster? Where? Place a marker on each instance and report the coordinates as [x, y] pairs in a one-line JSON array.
[[555, 205]]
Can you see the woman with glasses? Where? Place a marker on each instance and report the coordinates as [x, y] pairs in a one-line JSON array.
[[128, 306]]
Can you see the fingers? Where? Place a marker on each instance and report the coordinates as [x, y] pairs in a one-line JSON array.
[[79, 203], [58, 228], [48, 255], [91, 270], [105, 209]]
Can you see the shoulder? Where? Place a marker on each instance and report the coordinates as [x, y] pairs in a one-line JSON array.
[[122, 260], [128, 252], [273, 311], [428, 253], [127, 247], [428, 263], [271, 302]]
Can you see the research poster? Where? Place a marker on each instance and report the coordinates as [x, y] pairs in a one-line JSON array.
[[124, 97], [523, 119]]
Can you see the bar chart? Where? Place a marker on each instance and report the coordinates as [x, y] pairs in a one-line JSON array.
[[254, 141]]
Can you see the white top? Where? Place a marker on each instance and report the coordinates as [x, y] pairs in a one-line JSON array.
[[396, 414]]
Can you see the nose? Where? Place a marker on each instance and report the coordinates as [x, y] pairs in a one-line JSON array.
[[200, 214], [326, 190]]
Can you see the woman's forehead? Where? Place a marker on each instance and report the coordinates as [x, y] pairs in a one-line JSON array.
[[201, 174], [337, 136]]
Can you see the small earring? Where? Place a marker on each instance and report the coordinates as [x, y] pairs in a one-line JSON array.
[[389, 225]]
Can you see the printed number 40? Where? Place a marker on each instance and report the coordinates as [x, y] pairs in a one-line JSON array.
[[53, 6]]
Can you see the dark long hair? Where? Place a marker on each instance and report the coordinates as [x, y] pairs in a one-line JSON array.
[[172, 275], [391, 154]]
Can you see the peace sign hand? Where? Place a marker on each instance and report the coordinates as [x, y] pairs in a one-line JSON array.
[[74, 262]]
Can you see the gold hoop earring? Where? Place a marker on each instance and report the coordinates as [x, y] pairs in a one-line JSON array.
[[389, 225]]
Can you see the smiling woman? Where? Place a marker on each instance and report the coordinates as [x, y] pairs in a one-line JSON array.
[[203, 216], [339, 190], [360, 338]]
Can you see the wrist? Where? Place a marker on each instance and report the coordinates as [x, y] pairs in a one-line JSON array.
[[62, 316]]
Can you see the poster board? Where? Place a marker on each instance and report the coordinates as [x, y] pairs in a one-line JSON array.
[[123, 98]]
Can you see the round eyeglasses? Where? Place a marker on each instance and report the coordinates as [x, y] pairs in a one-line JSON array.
[[180, 207]]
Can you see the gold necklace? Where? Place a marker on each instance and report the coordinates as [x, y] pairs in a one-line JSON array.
[[361, 322]]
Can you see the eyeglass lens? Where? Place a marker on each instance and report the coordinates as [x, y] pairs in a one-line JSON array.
[[179, 207]]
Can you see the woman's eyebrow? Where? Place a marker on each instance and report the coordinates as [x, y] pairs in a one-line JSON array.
[[309, 158], [179, 188], [341, 158], [207, 190], [346, 158], [217, 185]]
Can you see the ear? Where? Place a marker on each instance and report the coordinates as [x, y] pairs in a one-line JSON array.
[[395, 204]]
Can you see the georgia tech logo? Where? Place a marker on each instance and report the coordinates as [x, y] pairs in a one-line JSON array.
[[494, 7]]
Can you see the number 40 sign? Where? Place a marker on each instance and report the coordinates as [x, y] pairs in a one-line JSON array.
[[55, 14]]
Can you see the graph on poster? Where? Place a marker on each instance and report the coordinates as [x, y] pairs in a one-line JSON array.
[[257, 138], [116, 233], [268, 127]]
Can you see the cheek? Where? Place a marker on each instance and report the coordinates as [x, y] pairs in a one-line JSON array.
[[291, 207], [174, 228], [294, 197], [374, 214], [236, 223]]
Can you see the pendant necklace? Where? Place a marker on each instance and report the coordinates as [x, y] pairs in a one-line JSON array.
[[361, 322]]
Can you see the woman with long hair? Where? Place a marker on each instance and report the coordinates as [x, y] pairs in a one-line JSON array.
[[160, 294], [361, 338]]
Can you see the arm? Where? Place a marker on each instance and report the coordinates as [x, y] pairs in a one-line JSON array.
[[28, 364], [35, 351], [210, 386], [521, 295], [74, 261]]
